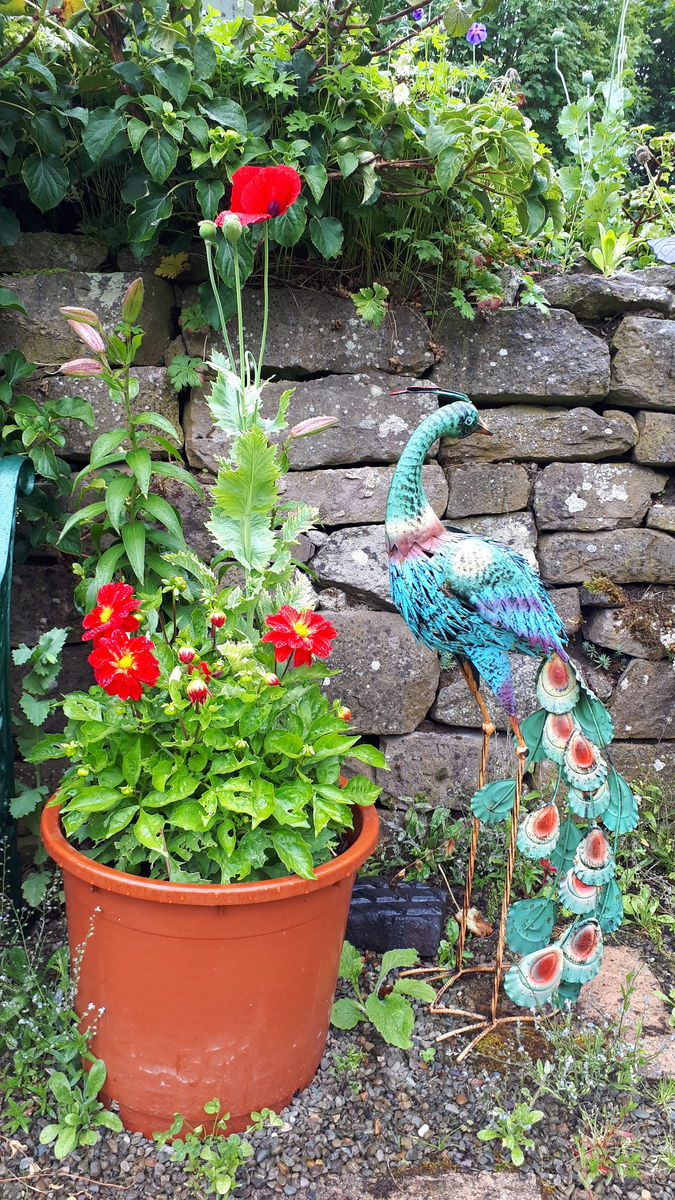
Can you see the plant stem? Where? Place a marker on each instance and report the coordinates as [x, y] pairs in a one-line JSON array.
[[266, 305], [240, 322], [216, 297]]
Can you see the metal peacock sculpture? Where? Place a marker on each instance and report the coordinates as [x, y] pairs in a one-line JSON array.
[[478, 600]]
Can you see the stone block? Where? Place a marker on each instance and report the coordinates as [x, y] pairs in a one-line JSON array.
[[446, 1185], [661, 276], [603, 999], [42, 598], [44, 335], [387, 679], [456, 706], [525, 433], [373, 426], [47, 251], [355, 559], [357, 495], [568, 607], [643, 704], [662, 516], [593, 495], [591, 297], [607, 627], [626, 556], [521, 355], [195, 272], [441, 765], [642, 366], [156, 394], [194, 511], [316, 331], [486, 488], [645, 762], [656, 438]]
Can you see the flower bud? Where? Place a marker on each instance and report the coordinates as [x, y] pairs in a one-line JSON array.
[[197, 692], [558, 37], [133, 301], [175, 675], [82, 368], [230, 225], [217, 619], [84, 315], [312, 425], [345, 714], [87, 334], [271, 679], [186, 654], [588, 78], [208, 230]]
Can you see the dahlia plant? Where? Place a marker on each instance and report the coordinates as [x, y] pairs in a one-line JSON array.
[[207, 750]]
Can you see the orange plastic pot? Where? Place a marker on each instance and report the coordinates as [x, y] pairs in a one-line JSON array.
[[207, 990]]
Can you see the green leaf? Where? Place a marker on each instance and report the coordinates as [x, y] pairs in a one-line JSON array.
[[317, 177], [131, 762], [78, 706], [46, 179], [204, 57], [175, 79], [449, 166], [287, 229], [394, 959], [141, 464], [133, 537], [494, 802], [563, 854], [393, 1017], [226, 113], [101, 129], [351, 963], [251, 486], [160, 510], [95, 1078], [359, 790], [94, 799], [457, 18], [148, 830], [34, 887], [326, 233], [416, 988], [160, 154], [294, 852], [209, 194], [25, 802], [150, 210], [136, 131], [189, 814], [37, 711], [60, 1087], [66, 1142], [116, 493], [185, 372], [109, 1120], [345, 1014], [529, 924], [105, 444], [9, 299]]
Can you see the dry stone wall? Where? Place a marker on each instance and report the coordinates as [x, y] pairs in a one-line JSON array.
[[579, 477]]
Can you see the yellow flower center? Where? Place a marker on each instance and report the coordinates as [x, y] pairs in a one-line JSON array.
[[125, 662], [301, 629], [106, 614]]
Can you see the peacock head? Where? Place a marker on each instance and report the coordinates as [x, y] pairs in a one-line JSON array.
[[461, 418]]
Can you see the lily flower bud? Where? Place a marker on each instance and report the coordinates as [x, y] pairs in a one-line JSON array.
[[312, 425], [133, 301], [89, 335], [84, 315], [82, 368]]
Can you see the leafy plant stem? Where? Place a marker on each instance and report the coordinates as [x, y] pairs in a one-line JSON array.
[[266, 305], [240, 320], [216, 297]]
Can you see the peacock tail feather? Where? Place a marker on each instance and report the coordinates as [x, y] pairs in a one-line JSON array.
[[595, 805]]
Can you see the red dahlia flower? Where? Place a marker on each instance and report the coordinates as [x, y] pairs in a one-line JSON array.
[[260, 193], [301, 634], [114, 610], [123, 664]]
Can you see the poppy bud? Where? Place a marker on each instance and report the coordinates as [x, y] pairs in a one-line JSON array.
[[217, 619], [558, 37], [231, 227], [89, 335], [345, 714], [271, 679], [208, 230], [133, 301], [82, 368], [186, 654], [84, 315], [587, 78], [197, 691]]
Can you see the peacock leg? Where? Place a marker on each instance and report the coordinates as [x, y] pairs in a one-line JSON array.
[[488, 730]]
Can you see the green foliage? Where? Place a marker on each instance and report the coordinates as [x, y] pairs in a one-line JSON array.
[[78, 1112], [371, 304], [511, 1129], [386, 1007], [210, 1156], [531, 294], [607, 1151], [186, 372], [609, 251], [421, 844]]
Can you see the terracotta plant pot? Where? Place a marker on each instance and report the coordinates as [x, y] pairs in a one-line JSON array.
[[208, 990]]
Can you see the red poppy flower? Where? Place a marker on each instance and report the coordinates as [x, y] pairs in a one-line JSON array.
[[260, 193], [114, 610], [301, 634], [123, 664]]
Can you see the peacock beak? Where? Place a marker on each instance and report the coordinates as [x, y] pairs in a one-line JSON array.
[[483, 429]]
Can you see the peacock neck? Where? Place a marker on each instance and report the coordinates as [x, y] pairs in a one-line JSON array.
[[407, 503]]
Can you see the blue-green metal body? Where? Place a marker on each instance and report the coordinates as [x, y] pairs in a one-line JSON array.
[[16, 479]]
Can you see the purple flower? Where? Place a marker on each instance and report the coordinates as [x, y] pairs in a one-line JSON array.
[[417, 14], [476, 34]]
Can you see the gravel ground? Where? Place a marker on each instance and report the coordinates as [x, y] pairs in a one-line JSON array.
[[391, 1114]]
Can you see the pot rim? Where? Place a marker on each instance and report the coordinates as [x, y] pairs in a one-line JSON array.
[[366, 826]]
